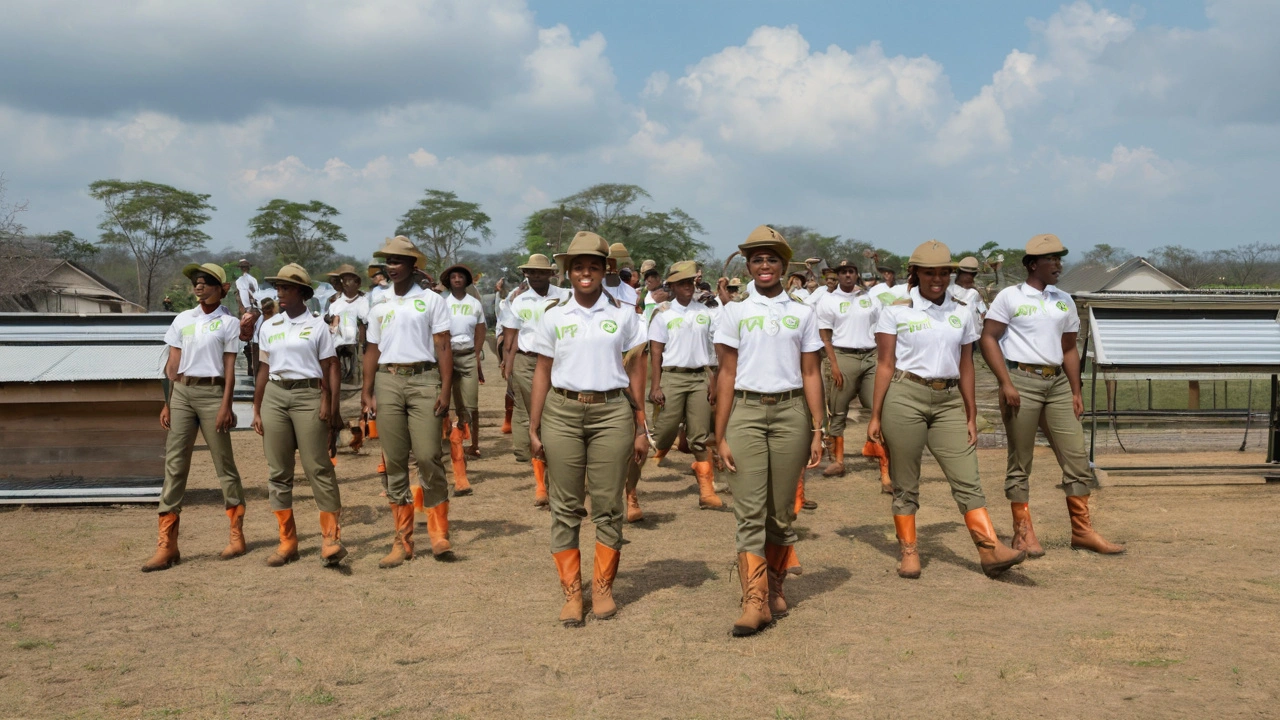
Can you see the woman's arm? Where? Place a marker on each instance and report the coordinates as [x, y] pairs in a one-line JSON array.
[[886, 365], [444, 358], [992, 331], [226, 419], [655, 367], [537, 399], [332, 392], [811, 375], [968, 392], [725, 380], [369, 404], [636, 376], [1071, 366], [259, 389]]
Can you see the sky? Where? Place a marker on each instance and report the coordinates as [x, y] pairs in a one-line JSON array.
[[1133, 124]]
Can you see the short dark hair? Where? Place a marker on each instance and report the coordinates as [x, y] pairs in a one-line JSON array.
[[625, 274]]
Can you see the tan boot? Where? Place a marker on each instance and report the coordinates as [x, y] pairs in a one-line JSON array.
[[1083, 535], [776, 557], [236, 545], [634, 514], [402, 545], [1024, 536], [995, 556], [438, 531], [287, 551], [793, 561], [658, 457], [606, 569], [460, 484], [167, 554], [540, 498], [331, 550], [419, 509], [753, 570], [877, 451], [836, 468], [569, 565], [801, 500], [909, 565], [706, 474], [506, 419]]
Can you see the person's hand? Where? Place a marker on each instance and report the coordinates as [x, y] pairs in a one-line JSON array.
[[640, 450], [1077, 404], [656, 397], [226, 419], [368, 405], [499, 286], [815, 450], [711, 395], [973, 432], [873, 431], [442, 406], [837, 377], [506, 370], [726, 455], [247, 321], [336, 422], [480, 369], [535, 446], [164, 417], [1010, 399], [257, 422], [325, 411]]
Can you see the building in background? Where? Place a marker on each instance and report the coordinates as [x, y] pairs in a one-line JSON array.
[[52, 285]]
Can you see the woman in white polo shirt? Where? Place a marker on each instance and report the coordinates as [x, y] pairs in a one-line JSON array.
[[1029, 341], [924, 396], [295, 404], [467, 331], [203, 343], [408, 373], [769, 419], [585, 420]]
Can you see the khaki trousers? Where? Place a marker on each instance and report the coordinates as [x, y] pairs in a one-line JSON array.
[[291, 423], [522, 383], [192, 408], [859, 373], [588, 447], [770, 446], [915, 416], [1046, 404], [687, 403], [407, 421], [466, 387]]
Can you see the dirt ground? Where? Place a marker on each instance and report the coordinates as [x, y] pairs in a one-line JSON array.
[[1185, 625]]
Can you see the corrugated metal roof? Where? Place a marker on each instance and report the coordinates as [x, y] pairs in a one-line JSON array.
[[1220, 341], [44, 328], [1098, 278], [66, 363]]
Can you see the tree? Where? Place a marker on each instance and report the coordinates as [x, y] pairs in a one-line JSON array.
[[441, 225], [154, 222], [1249, 265], [1187, 266], [64, 244], [10, 228], [293, 232], [1106, 256]]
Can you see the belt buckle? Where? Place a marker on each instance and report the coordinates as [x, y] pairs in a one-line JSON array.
[[938, 384], [768, 399], [589, 398]]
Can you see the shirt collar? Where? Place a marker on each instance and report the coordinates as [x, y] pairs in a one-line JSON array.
[[601, 304], [1032, 292], [781, 298], [919, 303], [856, 292], [414, 291]]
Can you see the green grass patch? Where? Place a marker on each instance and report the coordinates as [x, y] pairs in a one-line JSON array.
[[1155, 662], [317, 697], [33, 644]]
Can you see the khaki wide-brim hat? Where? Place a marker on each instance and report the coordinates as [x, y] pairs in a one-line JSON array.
[[401, 245], [294, 274], [931, 254], [1046, 244], [683, 270], [584, 243], [766, 237], [735, 283], [444, 276], [618, 251], [213, 269], [344, 269], [648, 266], [375, 268], [537, 261], [969, 264]]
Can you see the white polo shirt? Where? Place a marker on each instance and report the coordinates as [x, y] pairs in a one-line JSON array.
[[851, 318], [769, 335], [246, 288], [294, 347], [378, 294], [586, 345], [624, 293], [685, 331], [888, 295], [524, 312], [929, 336], [349, 312], [203, 339], [817, 295], [402, 326], [1037, 320], [971, 298], [464, 316]]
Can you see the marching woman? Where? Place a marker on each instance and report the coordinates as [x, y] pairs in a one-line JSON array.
[[769, 419], [203, 343], [924, 395], [584, 419], [466, 330], [1029, 341], [295, 404], [408, 373], [683, 364]]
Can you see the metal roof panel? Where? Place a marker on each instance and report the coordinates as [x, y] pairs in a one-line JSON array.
[[67, 363], [1181, 342]]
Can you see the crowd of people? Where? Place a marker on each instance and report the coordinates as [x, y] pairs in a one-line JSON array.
[[613, 363]]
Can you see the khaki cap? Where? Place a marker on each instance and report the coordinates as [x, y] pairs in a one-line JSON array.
[[931, 254], [1046, 244], [735, 283], [649, 266], [844, 265], [683, 270], [618, 251], [375, 268], [766, 237], [344, 269], [585, 243], [969, 264], [294, 274], [401, 245], [213, 269], [444, 276], [537, 261]]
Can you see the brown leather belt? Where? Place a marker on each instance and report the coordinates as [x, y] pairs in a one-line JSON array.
[[408, 368], [464, 352], [590, 398], [854, 351], [524, 352], [1045, 371], [313, 383], [932, 383], [769, 398], [685, 370], [185, 380]]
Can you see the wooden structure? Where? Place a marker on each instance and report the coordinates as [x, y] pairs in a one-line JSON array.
[[53, 285], [80, 399]]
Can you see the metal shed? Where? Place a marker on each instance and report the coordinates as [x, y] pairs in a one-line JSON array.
[[80, 397]]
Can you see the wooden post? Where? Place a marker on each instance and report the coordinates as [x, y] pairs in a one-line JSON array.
[[1193, 394], [1111, 396]]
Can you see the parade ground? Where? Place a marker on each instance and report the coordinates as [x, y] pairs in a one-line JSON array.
[[1185, 625]]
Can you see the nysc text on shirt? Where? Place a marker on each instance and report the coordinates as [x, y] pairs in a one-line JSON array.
[[929, 335]]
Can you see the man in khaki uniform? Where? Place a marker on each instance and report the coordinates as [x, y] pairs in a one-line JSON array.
[[846, 321]]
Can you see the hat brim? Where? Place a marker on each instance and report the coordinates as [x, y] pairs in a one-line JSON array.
[[781, 250], [291, 281], [949, 265], [677, 277], [191, 269], [548, 268], [563, 259], [419, 260], [458, 268]]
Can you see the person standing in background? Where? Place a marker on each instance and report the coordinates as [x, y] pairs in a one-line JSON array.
[[466, 333], [348, 317]]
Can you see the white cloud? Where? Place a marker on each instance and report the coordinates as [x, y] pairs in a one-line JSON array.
[[421, 158]]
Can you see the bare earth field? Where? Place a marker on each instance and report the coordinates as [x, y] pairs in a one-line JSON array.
[[1185, 625]]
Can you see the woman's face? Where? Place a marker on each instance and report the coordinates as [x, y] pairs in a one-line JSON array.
[[1047, 268], [765, 267], [350, 284], [683, 290], [291, 298], [207, 289], [586, 273], [457, 280], [933, 281], [399, 268]]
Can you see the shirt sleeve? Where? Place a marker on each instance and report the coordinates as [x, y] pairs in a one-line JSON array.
[[325, 346], [810, 340], [440, 322], [638, 333], [173, 336], [657, 328], [543, 338], [374, 333], [970, 334], [1073, 317], [999, 310], [822, 311], [507, 315], [231, 335], [479, 310], [727, 331], [886, 323]]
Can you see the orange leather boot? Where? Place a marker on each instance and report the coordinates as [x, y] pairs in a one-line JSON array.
[[506, 419], [1024, 536], [569, 566], [658, 457], [836, 468], [540, 483], [420, 510], [995, 556], [753, 571], [706, 474], [331, 550], [634, 514], [167, 554], [287, 551], [1083, 536], [801, 500], [877, 451], [438, 531], [402, 545], [776, 558], [909, 565], [460, 484], [603, 606], [236, 545], [793, 561]]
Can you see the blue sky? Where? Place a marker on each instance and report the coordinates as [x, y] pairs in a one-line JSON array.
[[1135, 124]]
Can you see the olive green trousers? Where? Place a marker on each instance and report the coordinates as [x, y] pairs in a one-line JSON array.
[[466, 387], [522, 382], [407, 421], [1045, 404], [859, 372], [291, 423], [915, 416], [686, 395], [192, 408], [770, 446], [588, 449]]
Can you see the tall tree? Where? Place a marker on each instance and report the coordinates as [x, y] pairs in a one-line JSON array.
[[10, 228], [1106, 255], [294, 232], [64, 244], [154, 222], [441, 225]]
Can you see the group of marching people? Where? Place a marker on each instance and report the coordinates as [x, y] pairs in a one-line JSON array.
[[758, 381]]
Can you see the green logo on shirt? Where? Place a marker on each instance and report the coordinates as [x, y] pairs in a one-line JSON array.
[[703, 319], [609, 326], [461, 309], [751, 323], [564, 331], [1025, 311], [675, 323], [1062, 306], [386, 319], [791, 321], [915, 325], [955, 321], [419, 305], [306, 333], [215, 324], [844, 307], [277, 336], [525, 315], [863, 303]]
